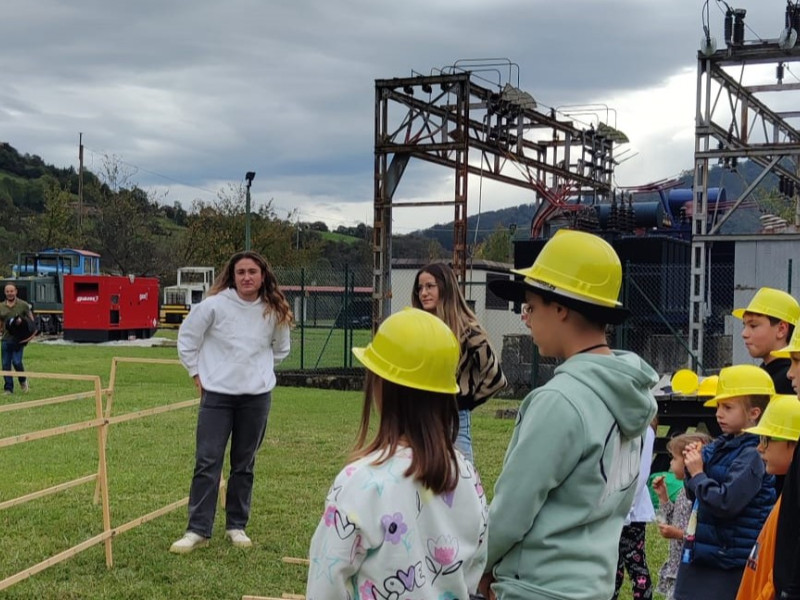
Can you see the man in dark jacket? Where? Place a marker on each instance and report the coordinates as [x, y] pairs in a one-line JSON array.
[[16, 320]]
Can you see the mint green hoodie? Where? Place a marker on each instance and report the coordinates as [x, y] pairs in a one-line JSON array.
[[568, 480]]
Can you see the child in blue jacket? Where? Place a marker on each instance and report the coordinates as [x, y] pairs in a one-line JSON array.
[[731, 490]]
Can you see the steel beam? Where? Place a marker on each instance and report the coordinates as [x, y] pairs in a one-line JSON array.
[[455, 121], [743, 127]]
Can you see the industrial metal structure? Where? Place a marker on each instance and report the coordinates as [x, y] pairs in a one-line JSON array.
[[459, 119], [738, 119]]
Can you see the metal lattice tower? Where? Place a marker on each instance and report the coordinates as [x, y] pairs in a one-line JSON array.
[[732, 122], [465, 123]]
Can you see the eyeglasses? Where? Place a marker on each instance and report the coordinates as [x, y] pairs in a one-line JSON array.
[[764, 440], [426, 287]]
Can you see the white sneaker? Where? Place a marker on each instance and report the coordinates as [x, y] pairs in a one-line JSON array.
[[188, 542], [25, 387], [238, 538]]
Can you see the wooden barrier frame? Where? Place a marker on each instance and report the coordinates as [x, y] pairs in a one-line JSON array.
[[101, 421]]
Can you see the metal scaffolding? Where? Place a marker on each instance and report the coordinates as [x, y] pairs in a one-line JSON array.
[[461, 121], [732, 122]]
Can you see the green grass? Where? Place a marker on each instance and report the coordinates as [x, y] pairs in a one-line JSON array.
[[313, 347], [332, 236], [323, 348], [150, 464]]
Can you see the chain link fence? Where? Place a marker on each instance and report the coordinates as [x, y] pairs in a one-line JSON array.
[[333, 313], [658, 328]]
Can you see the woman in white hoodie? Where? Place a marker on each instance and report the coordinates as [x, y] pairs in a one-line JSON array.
[[229, 344]]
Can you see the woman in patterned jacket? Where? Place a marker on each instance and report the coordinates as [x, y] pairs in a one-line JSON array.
[[436, 291]]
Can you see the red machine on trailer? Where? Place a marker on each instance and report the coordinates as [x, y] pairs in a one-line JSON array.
[[100, 308]]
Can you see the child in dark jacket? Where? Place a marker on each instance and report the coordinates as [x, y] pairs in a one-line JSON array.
[[730, 488]]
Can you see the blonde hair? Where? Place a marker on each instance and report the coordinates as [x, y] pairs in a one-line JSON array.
[[677, 444]]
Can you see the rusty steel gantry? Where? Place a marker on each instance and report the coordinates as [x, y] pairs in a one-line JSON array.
[[462, 121], [732, 122]]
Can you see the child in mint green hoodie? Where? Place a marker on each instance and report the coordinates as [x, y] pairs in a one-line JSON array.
[[570, 472]]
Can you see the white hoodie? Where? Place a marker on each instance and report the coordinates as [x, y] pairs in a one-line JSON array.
[[232, 345]]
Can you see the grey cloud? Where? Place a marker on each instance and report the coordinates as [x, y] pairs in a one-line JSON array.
[[202, 91]]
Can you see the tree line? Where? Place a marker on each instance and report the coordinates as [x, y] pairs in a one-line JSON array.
[[137, 233]]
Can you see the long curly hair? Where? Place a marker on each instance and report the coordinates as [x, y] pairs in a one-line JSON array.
[[270, 293]]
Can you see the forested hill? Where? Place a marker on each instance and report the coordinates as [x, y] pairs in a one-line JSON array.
[[491, 221], [136, 234]]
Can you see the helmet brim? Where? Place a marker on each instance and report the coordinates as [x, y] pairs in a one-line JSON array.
[[514, 290], [785, 352]]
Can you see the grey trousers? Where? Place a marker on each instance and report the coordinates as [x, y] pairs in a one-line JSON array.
[[243, 419]]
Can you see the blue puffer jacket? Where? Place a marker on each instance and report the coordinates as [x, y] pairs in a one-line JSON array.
[[735, 496]]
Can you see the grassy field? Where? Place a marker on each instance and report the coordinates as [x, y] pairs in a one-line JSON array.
[[150, 463], [323, 347]]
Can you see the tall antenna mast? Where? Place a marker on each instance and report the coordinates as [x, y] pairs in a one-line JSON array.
[[80, 182]]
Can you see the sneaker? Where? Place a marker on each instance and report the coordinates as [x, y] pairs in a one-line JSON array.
[[188, 542], [238, 538], [25, 387], [7, 392]]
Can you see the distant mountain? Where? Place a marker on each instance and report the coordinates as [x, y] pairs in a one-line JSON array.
[[516, 217], [744, 220]]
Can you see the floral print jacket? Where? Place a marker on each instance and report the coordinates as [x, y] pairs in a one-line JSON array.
[[383, 536]]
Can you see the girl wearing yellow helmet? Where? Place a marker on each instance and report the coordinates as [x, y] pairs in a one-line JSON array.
[[407, 516]]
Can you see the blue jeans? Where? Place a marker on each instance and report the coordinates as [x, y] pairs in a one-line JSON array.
[[12, 356], [243, 419], [464, 438]]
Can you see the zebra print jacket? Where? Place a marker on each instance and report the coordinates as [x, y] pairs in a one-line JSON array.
[[479, 373]]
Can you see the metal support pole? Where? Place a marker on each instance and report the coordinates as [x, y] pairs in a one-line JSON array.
[[249, 177]]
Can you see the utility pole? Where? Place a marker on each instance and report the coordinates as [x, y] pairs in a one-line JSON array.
[[249, 176], [80, 183]]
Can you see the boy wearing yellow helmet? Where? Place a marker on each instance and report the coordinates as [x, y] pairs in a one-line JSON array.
[[786, 574], [779, 430], [767, 322], [570, 471], [731, 491]]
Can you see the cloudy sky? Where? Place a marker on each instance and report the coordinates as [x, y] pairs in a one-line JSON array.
[[191, 94]]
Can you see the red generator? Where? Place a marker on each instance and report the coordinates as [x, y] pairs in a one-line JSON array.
[[101, 308]]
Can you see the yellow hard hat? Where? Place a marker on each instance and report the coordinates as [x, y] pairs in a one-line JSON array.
[[794, 345], [742, 380], [781, 419], [708, 387], [684, 382], [576, 266], [772, 303], [415, 349]]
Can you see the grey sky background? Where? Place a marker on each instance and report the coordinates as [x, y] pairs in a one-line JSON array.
[[192, 94]]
